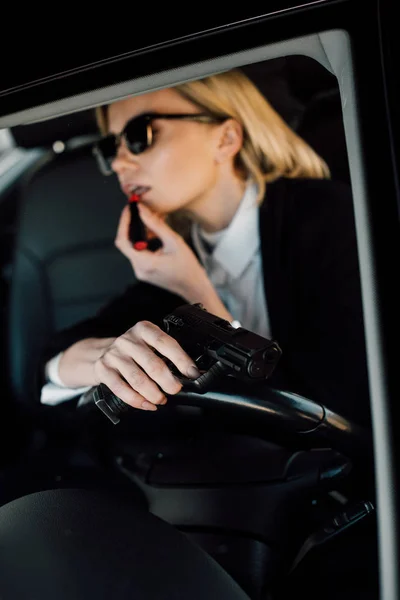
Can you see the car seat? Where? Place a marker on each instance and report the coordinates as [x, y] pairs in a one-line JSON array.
[[322, 127], [65, 264], [321, 122]]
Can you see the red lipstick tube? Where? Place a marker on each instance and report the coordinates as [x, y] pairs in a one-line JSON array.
[[137, 230]]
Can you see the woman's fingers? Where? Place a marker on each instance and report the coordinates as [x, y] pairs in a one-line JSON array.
[[152, 384], [133, 371], [112, 379], [167, 346], [138, 258], [122, 237], [143, 369], [156, 369], [157, 224]]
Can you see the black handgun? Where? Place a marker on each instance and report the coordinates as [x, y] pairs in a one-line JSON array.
[[218, 349]]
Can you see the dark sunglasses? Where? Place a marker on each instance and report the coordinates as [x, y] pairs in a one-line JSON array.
[[138, 136]]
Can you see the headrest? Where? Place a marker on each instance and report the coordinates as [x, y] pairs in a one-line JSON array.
[[307, 78], [291, 83], [271, 79], [65, 128]]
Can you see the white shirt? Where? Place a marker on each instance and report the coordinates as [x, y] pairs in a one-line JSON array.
[[233, 262], [235, 265]]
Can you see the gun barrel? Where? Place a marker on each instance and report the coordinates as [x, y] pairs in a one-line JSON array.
[[244, 353]]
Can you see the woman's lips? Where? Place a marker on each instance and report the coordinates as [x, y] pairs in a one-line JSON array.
[[138, 190]]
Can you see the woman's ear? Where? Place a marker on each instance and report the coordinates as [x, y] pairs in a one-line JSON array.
[[229, 141]]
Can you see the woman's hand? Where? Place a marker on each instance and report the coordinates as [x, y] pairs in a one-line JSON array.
[[134, 373], [174, 267]]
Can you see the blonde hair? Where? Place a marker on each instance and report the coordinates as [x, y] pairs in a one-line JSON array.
[[270, 149]]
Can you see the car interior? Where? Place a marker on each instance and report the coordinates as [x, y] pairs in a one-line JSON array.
[[280, 512]]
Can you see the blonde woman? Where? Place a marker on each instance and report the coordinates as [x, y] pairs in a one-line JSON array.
[[251, 226]]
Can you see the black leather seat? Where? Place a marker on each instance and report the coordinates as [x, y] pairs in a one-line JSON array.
[[65, 263], [320, 122], [78, 544], [322, 127]]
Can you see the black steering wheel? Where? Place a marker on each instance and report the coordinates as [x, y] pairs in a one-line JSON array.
[[285, 411], [74, 543], [261, 404]]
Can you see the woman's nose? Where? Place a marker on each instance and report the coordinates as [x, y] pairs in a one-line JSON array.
[[123, 159]]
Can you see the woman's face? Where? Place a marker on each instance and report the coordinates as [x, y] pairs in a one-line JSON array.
[[180, 168]]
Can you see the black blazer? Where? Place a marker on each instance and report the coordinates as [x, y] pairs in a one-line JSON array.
[[312, 287]]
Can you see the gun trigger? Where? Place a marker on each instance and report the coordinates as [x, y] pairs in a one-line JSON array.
[[185, 380], [202, 384]]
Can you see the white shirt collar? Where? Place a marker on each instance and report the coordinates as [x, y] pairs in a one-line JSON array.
[[239, 242]]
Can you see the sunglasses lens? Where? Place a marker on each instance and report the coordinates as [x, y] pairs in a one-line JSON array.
[[136, 135]]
